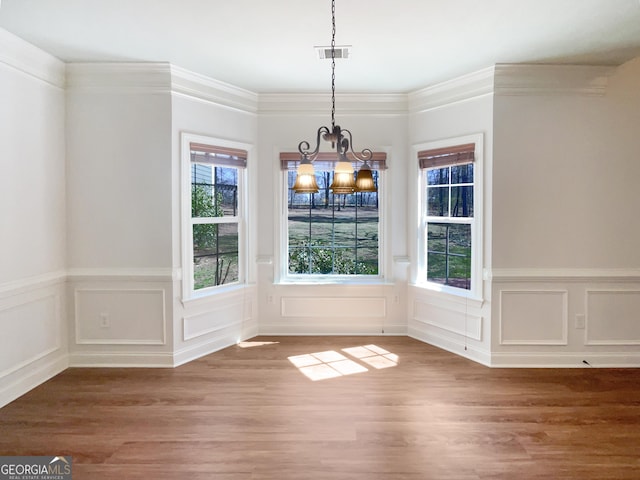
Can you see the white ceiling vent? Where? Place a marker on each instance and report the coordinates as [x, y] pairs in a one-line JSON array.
[[342, 51]]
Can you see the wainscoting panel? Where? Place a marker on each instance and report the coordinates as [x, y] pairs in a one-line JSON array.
[[612, 317], [533, 317], [33, 345], [120, 316], [566, 318], [333, 307], [30, 331], [451, 320], [213, 320]]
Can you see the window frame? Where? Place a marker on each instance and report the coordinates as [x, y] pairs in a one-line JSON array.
[[476, 222], [282, 275], [187, 275]]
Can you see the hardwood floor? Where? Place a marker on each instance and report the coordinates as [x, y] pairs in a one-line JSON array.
[[250, 413]]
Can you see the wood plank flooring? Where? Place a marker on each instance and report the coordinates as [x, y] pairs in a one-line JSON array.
[[251, 414]]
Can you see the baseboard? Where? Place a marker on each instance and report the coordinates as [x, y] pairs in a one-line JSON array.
[[315, 329], [193, 352], [250, 331], [566, 360], [116, 359], [31, 379]]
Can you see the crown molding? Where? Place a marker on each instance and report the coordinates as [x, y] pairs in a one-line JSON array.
[[545, 79], [190, 84], [121, 77], [466, 87], [21, 55], [157, 78], [320, 103]]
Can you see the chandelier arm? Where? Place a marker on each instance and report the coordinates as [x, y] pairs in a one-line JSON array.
[[305, 149], [364, 155]]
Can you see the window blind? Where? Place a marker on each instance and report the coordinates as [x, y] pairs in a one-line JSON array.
[[447, 156], [220, 156], [327, 160]]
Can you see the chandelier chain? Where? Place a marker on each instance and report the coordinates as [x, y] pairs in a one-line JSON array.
[[341, 140], [333, 65]]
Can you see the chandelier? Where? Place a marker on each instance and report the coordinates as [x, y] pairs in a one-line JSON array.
[[342, 140]]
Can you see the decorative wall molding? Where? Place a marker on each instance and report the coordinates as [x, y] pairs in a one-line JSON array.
[[612, 317], [564, 274], [335, 327], [320, 103], [545, 79], [333, 307], [23, 285], [33, 313], [33, 345], [125, 309], [532, 307], [213, 320], [601, 318], [466, 87], [449, 318], [25, 57], [124, 274]]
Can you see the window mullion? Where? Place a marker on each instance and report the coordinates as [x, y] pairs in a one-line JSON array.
[[336, 253]]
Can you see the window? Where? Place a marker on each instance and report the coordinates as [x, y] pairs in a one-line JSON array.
[[329, 234], [217, 179], [448, 218]]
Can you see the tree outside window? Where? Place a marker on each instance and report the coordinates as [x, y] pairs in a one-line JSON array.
[[332, 234]]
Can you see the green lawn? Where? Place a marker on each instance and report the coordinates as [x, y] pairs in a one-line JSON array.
[[330, 238]]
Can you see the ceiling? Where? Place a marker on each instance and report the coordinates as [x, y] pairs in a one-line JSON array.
[[267, 46]]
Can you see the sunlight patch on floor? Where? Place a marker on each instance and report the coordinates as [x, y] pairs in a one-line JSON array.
[[332, 364], [373, 355]]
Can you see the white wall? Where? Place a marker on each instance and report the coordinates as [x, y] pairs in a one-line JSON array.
[[459, 108], [32, 217], [119, 204], [565, 236], [223, 114], [332, 309]]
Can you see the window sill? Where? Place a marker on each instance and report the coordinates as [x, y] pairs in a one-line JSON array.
[[203, 297], [452, 294], [359, 281]]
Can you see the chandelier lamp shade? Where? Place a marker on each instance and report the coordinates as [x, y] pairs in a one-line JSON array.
[[305, 177], [341, 140]]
